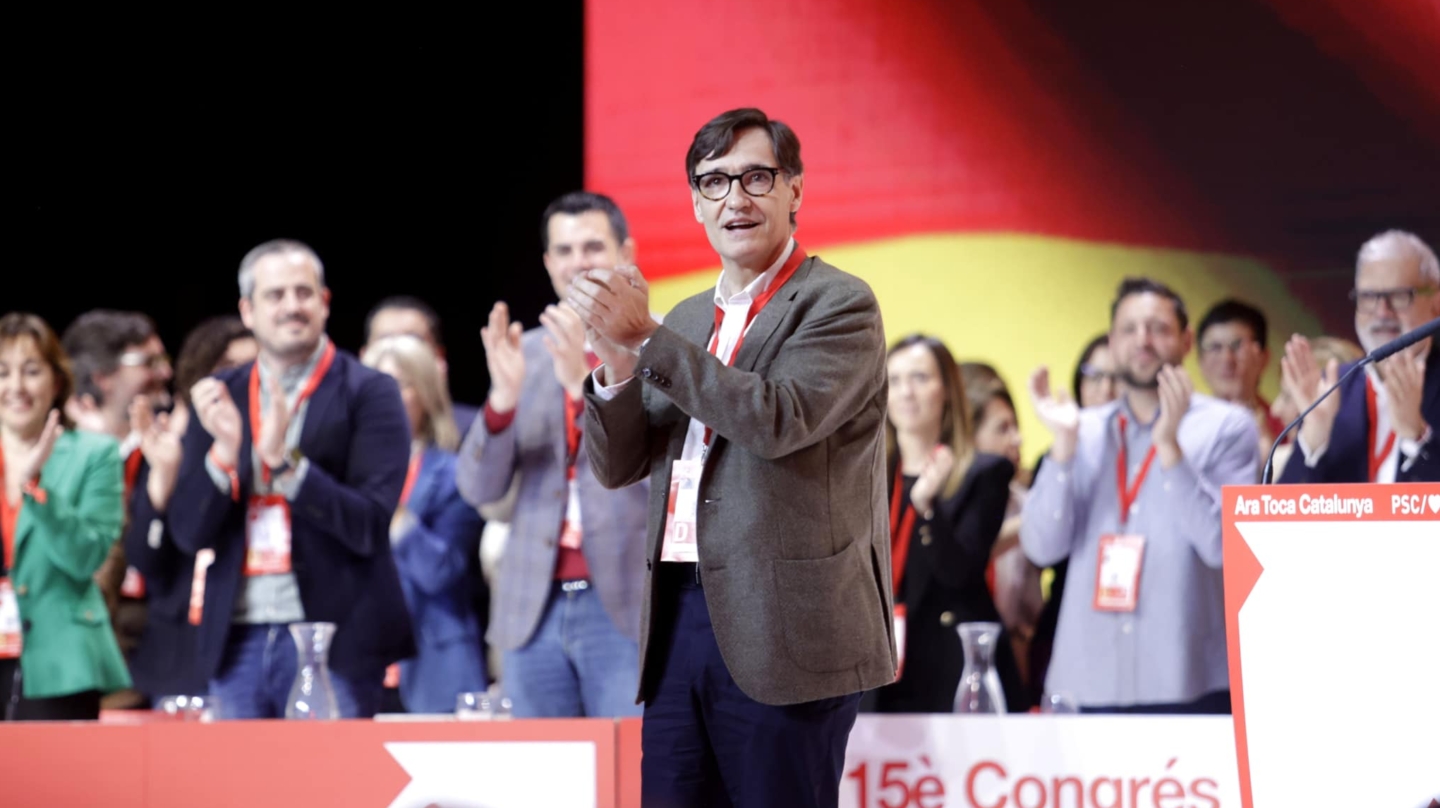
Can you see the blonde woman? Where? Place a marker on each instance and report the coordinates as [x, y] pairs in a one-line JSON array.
[[947, 504], [433, 534]]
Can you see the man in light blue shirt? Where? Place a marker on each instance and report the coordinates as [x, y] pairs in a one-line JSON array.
[[1131, 495]]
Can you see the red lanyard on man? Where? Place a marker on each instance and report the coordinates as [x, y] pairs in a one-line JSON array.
[[1128, 493], [797, 257], [305, 392], [1372, 408], [574, 409], [132, 470]]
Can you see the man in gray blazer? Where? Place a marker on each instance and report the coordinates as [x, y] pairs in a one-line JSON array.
[[757, 412], [566, 610]]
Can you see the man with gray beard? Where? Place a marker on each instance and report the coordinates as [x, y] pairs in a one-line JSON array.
[[1379, 426]]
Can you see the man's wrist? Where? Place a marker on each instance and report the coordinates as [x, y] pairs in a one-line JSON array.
[[610, 375], [224, 456], [649, 331], [286, 461], [501, 403], [1063, 450], [1169, 453], [1412, 431]]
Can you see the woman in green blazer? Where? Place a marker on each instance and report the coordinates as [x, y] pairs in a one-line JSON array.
[[61, 510]]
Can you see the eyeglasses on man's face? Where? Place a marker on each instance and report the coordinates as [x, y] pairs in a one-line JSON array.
[[1091, 373], [144, 359], [1216, 349], [1368, 300], [716, 185]]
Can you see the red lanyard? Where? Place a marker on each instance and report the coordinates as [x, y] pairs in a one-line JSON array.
[[574, 408], [410, 474], [797, 257], [9, 517], [1128, 493], [319, 373], [901, 527], [132, 470], [1372, 408]]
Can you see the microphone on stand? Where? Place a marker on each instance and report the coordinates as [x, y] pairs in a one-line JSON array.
[[1385, 351]]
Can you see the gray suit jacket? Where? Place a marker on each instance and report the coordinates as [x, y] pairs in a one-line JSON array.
[[793, 524], [534, 448]]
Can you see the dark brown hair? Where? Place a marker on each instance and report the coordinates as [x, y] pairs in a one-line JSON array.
[[1149, 286], [983, 384], [716, 138], [95, 341], [16, 325], [203, 349]]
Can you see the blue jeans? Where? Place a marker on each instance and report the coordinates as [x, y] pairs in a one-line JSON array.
[[259, 667], [576, 664]]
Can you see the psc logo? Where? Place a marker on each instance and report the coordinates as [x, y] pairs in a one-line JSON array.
[[1414, 504]]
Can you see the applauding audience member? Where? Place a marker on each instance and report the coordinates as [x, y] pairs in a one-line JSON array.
[[164, 661], [1131, 495], [434, 534], [1379, 427], [947, 504], [60, 513]]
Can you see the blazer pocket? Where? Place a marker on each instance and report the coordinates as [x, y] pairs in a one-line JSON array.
[[87, 614], [825, 606]]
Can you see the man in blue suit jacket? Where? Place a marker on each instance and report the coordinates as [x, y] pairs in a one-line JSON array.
[[292, 471], [1379, 427]]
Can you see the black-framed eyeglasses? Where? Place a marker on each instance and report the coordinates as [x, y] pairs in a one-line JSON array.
[[716, 185], [1368, 300], [1096, 374], [1233, 347]]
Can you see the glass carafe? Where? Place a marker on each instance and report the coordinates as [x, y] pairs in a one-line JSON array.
[[979, 690], [312, 697]]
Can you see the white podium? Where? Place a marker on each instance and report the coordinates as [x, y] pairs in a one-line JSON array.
[[1332, 601]]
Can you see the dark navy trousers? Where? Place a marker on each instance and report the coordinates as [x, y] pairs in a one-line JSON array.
[[708, 745]]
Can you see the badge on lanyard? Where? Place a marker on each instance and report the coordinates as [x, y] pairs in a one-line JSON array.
[[679, 543], [1379, 452], [203, 560], [1117, 573], [902, 528], [899, 639], [570, 531], [134, 584], [267, 517], [570, 535], [1122, 555], [267, 535], [10, 636]]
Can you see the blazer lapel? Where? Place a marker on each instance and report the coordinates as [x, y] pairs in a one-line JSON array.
[[695, 325], [551, 407], [770, 317], [318, 409], [50, 479], [1352, 426], [1430, 398]]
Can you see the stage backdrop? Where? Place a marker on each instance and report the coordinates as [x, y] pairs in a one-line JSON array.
[[993, 170]]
